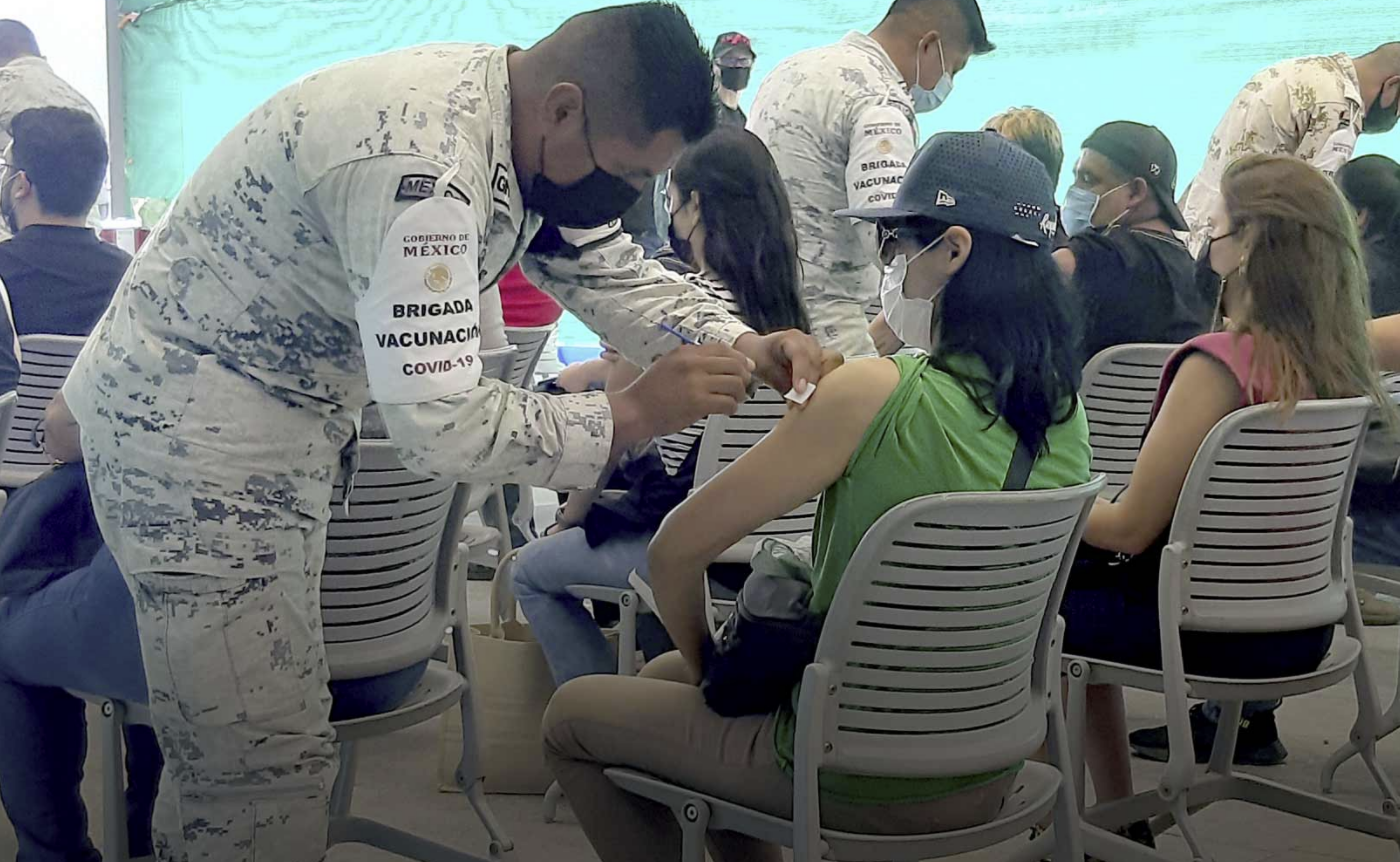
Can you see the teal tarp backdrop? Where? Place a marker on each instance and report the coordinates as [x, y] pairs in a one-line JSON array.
[[194, 67]]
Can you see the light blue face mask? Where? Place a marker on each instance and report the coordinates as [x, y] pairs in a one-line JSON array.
[[1077, 214], [929, 100]]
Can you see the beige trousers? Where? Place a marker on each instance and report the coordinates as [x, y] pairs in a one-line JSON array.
[[659, 724]]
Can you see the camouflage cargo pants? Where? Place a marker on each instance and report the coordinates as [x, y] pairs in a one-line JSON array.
[[227, 605]]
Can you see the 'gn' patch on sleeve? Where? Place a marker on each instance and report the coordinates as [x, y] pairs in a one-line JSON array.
[[416, 187]]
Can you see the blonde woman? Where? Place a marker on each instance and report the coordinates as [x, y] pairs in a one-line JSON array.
[[1294, 295]]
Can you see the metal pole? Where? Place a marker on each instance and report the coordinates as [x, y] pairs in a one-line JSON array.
[[116, 119]]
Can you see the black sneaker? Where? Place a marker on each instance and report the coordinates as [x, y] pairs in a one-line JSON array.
[[1258, 743]]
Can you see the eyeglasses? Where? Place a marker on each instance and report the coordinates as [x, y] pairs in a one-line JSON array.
[[888, 243]]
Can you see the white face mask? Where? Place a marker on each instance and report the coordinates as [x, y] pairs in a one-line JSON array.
[[926, 100], [910, 319]]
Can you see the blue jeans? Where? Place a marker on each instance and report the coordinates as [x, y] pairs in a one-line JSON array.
[[546, 567], [79, 634]]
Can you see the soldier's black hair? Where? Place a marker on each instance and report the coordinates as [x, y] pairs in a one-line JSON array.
[[971, 14], [642, 67], [16, 40]]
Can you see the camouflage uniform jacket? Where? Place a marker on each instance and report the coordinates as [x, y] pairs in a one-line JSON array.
[[333, 249], [840, 125], [1309, 107]]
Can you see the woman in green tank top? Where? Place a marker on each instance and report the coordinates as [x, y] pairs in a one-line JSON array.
[[973, 284]]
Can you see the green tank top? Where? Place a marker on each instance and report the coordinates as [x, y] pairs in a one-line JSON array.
[[930, 437]]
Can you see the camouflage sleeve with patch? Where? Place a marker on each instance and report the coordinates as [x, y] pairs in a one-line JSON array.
[[882, 146], [410, 240]]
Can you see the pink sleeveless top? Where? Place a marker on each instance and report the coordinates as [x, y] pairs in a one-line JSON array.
[[1235, 351]]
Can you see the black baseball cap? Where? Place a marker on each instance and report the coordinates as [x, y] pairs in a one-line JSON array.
[[733, 46], [1142, 151], [979, 180]]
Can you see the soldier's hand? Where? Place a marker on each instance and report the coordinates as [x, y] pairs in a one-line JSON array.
[[683, 386], [785, 360]]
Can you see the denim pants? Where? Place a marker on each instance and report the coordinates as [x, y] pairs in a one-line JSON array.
[[79, 634], [547, 567]]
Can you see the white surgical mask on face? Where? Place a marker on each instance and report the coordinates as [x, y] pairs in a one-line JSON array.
[[909, 318], [926, 100]]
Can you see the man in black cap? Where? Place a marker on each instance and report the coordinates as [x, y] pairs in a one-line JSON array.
[[733, 55], [1133, 277]]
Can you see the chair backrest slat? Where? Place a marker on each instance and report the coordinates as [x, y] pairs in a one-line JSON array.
[[529, 342], [1118, 390], [386, 584], [727, 438], [1260, 518], [45, 361], [939, 641]]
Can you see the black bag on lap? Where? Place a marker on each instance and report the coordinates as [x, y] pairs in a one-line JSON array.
[[761, 651]]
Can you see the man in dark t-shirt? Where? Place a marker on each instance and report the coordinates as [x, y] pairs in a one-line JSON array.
[[59, 276], [1132, 276]]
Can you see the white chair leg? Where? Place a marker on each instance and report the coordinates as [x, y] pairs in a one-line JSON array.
[[468, 775], [115, 841], [1188, 826], [694, 817], [1369, 720], [1222, 755], [343, 791], [500, 841], [1077, 675], [627, 634], [1069, 842], [552, 797]]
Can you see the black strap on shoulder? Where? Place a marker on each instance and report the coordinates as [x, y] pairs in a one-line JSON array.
[[1022, 462]]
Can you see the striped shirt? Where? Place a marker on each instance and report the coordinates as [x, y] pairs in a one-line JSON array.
[[676, 447]]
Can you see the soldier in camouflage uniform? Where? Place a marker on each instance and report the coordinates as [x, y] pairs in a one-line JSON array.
[[1312, 107], [333, 250], [840, 123]]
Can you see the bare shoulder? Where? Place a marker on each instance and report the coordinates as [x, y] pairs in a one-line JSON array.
[[852, 394]]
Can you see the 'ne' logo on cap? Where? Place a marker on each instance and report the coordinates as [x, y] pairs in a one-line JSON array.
[[945, 200]]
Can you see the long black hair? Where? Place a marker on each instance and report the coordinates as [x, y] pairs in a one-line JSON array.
[[1372, 183], [1009, 306], [750, 242]]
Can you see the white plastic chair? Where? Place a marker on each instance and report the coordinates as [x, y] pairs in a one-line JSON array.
[[44, 365], [1118, 390], [939, 657], [1380, 579], [725, 440], [529, 343], [389, 590], [1259, 543]]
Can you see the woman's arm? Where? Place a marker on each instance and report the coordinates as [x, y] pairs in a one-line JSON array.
[[1385, 338], [1203, 392], [62, 438], [620, 375], [807, 452]]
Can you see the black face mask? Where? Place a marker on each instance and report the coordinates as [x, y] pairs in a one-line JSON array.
[[594, 200], [734, 78], [681, 245], [1380, 120]]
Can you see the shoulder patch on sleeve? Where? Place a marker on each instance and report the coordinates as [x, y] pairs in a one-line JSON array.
[[414, 187], [420, 318]]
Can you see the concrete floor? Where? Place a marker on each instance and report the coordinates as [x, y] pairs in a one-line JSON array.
[[398, 784]]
